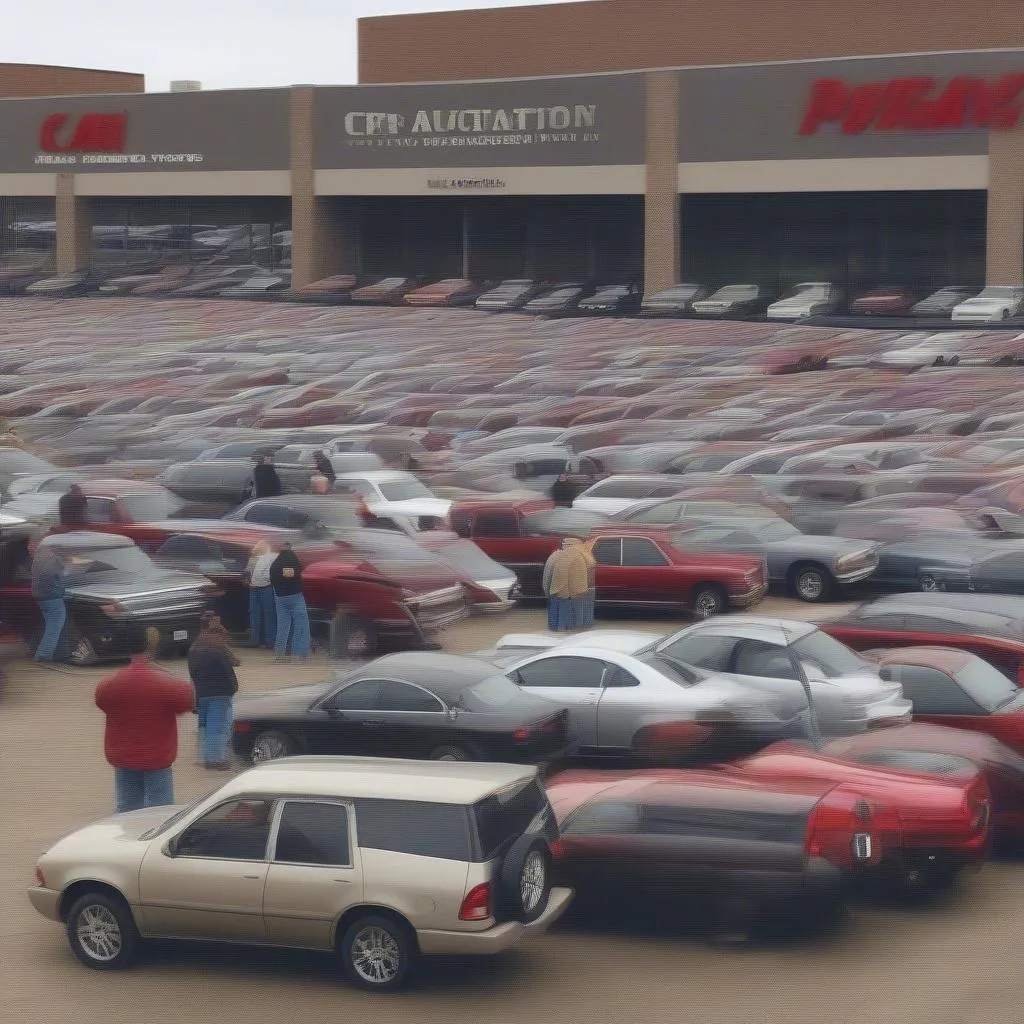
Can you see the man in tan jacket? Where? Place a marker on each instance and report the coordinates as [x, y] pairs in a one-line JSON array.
[[565, 580]]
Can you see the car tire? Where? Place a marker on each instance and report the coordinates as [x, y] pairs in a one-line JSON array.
[[811, 582], [271, 745], [708, 600], [102, 932], [378, 952], [930, 584], [524, 881], [81, 650], [351, 636], [453, 752]]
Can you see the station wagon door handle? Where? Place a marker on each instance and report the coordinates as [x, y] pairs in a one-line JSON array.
[[255, 878]]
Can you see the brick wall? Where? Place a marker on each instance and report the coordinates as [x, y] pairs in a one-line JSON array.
[[48, 80]]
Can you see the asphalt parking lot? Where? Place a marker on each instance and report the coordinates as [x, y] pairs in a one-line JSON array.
[[947, 964]]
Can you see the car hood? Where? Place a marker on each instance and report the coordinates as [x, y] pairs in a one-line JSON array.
[[825, 546], [288, 700], [132, 588], [982, 304], [119, 828], [437, 507]]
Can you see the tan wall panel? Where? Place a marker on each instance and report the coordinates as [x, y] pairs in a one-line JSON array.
[[184, 183], [28, 184], [1005, 237], [621, 179], [868, 174], [74, 227]]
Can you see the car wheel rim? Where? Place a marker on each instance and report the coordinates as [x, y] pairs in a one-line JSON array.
[[376, 955], [358, 641], [810, 586], [454, 755], [531, 881], [929, 584], [268, 748], [98, 933], [707, 604]]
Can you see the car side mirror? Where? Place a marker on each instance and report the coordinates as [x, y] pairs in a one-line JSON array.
[[812, 671], [171, 847], [453, 713]]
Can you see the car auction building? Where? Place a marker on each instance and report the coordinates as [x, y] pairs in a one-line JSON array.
[[862, 170]]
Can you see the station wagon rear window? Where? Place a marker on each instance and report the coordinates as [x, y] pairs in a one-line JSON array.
[[502, 818], [419, 828]]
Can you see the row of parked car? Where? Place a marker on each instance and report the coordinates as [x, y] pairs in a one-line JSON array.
[[809, 299]]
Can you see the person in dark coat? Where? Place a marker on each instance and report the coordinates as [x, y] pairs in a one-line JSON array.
[[290, 604], [211, 666], [71, 507], [563, 492], [267, 482], [324, 467]]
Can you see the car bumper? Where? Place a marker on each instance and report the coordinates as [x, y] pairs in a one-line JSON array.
[[856, 576], [745, 598], [496, 939], [46, 901]]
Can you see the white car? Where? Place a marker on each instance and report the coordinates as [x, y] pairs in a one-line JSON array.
[[733, 298], [624, 698], [792, 658], [947, 348], [997, 302], [389, 492], [373, 859], [812, 298], [617, 493]]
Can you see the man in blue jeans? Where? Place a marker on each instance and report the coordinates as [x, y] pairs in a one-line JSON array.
[[211, 665], [142, 703], [48, 587], [292, 614]]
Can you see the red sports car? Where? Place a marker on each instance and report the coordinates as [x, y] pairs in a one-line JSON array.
[[931, 827], [747, 852]]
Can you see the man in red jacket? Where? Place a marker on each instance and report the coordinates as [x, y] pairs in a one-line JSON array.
[[142, 704]]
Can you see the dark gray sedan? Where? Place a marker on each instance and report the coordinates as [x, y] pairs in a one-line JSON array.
[[809, 567]]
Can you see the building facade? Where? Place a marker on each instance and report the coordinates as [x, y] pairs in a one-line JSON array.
[[863, 171]]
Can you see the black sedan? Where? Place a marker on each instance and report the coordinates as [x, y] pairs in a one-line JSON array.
[[615, 298], [440, 707], [809, 567]]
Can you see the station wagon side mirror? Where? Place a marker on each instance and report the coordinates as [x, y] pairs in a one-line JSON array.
[[171, 846], [453, 713]]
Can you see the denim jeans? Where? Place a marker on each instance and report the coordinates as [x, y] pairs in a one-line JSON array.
[[54, 616], [262, 616], [583, 610], [215, 716], [293, 624], [135, 789], [559, 614]]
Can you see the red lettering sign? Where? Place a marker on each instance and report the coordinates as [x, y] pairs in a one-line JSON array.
[[915, 105], [93, 133]]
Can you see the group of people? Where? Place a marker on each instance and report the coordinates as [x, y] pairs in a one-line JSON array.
[[569, 585], [142, 702], [267, 483], [278, 616]]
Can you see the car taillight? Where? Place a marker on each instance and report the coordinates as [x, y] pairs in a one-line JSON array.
[[477, 904], [40, 878], [557, 848], [522, 735], [242, 727], [114, 609]]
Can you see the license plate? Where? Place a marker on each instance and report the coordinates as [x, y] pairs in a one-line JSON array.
[[180, 634]]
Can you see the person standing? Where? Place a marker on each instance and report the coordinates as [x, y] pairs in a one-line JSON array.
[[565, 577], [325, 468], [292, 614], [211, 666], [583, 604], [142, 703], [71, 507], [266, 482], [48, 589], [562, 492], [262, 614]]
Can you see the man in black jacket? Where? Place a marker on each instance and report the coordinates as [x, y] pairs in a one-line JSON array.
[[72, 506], [211, 666], [292, 614], [324, 467], [267, 484]]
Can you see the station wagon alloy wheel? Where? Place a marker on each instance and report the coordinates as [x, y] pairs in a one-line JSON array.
[[269, 746], [99, 933], [811, 585], [376, 956], [532, 882], [708, 602]]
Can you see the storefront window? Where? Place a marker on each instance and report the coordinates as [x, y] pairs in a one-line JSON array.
[[27, 225]]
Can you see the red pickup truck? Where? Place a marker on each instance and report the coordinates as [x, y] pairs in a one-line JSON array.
[[637, 566]]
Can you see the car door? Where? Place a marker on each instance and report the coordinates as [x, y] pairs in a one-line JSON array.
[[649, 577], [314, 874], [346, 721], [572, 682], [621, 709], [609, 576], [207, 881], [768, 667], [409, 721]]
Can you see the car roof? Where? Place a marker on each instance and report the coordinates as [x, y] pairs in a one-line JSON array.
[[441, 673], [379, 476], [754, 627], [622, 640], [945, 659], [115, 487], [1006, 605], [86, 539], [381, 777]]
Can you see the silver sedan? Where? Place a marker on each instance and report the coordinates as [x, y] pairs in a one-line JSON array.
[[625, 701]]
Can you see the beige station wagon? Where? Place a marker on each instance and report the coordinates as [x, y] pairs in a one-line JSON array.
[[376, 859]]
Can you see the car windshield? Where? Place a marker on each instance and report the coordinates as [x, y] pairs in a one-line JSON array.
[[496, 692], [151, 507], [180, 815], [999, 293], [774, 530], [470, 559], [987, 685], [402, 490], [826, 654], [122, 559], [736, 291], [806, 289]]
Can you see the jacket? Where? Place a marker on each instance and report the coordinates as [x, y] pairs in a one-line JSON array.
[[142, 704], [48, 581], [569, 574], [326, 468], [267, 484], [259, 570], [71, 509], [211, 666], [286, 574]]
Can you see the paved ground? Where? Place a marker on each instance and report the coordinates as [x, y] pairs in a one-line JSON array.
[[953, 964]]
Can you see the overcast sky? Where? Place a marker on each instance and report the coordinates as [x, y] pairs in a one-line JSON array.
[[222, 43]]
